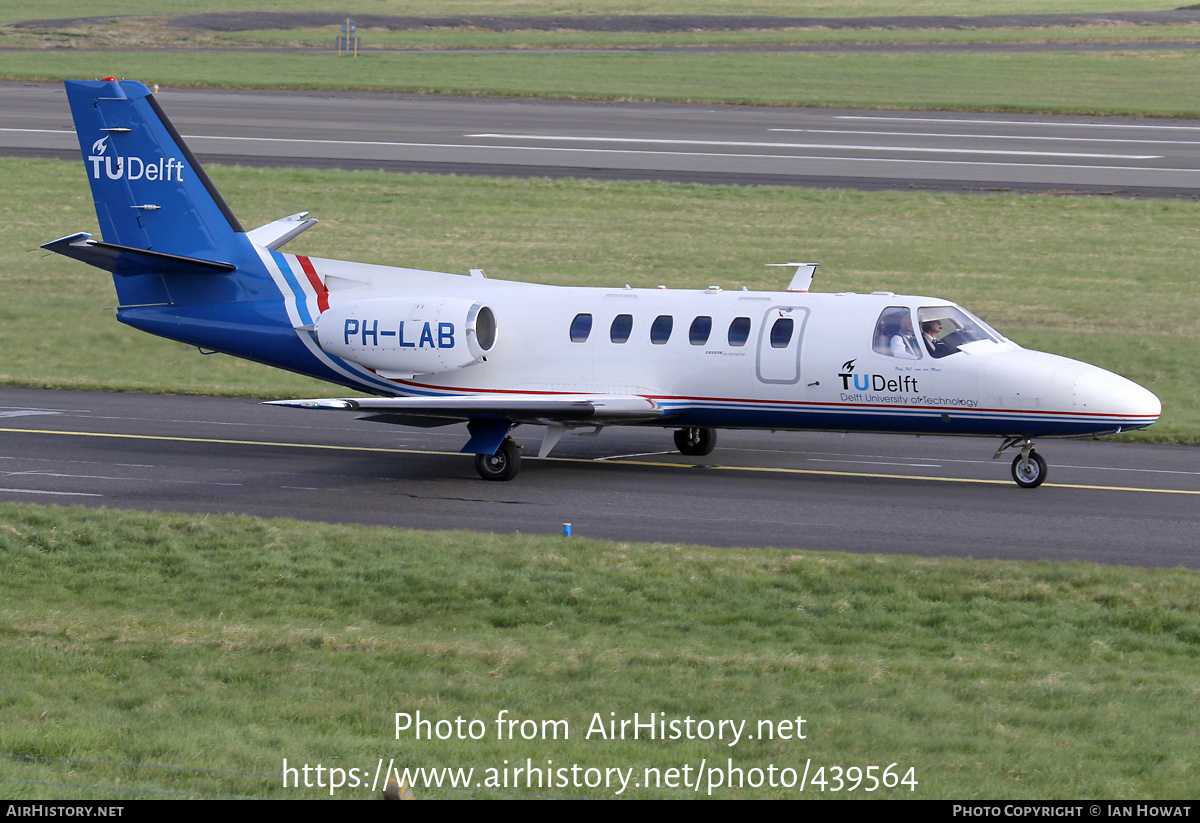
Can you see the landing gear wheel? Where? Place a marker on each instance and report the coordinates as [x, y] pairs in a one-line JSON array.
[[1029, 471], [503, 465], [696, 442]]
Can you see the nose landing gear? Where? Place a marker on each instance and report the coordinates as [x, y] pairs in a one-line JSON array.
[[1028, 467]]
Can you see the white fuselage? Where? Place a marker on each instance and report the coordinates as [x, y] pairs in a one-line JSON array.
[[785, 360]]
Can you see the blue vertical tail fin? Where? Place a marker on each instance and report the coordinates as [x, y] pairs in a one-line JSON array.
[[182, 265], [169, 238], [150, 191]]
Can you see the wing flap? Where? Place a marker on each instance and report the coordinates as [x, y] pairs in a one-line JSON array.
[[538, 409]]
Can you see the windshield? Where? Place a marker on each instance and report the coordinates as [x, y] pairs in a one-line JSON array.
[[946, 329]]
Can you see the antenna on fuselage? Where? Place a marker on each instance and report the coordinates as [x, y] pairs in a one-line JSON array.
[[803, 277]]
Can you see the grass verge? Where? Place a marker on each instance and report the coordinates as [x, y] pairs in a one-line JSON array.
[[17, 10], [1110, 282], [373, 39], [1132, 83], [228, 644]]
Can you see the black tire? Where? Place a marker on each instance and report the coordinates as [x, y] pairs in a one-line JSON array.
[[695, 442], [1030, 473], [503, 465]]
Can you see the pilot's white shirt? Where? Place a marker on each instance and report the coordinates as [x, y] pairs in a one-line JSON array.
[[905, 347]]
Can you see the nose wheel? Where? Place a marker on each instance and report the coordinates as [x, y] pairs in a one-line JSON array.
[[1028, 467], [1029, 470]]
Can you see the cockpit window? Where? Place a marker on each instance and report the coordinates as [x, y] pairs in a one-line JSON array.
[[945, 329], [894, 334]]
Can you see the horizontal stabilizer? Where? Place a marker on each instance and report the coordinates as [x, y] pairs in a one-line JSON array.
[[538, 409], [129, 261], [275, 234]]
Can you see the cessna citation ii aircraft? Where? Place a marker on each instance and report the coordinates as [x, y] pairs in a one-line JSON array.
[[437, 348]]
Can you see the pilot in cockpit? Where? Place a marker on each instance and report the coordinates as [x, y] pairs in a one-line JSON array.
[[904, 343], [930, 329]]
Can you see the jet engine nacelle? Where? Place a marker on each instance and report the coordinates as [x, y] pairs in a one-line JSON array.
[[407, 336]]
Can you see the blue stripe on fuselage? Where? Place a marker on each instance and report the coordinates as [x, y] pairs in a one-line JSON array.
[[293, 282]]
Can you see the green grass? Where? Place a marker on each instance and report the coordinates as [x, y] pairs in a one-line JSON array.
[[1095, 83], [1110, 282], [373, 39], [155, 31], [1131, 83], [228, 644], [17, 10]]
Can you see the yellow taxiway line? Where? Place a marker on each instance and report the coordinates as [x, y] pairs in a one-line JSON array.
[[814, 472]]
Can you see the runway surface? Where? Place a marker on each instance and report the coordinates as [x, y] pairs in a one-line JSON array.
[[741, 145], [1104, 502]]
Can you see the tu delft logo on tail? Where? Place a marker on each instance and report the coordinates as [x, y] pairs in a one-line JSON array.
[[132, 168]]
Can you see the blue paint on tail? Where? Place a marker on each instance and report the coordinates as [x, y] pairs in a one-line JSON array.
[[182, 264]]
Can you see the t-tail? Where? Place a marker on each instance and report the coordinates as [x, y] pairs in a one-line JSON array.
[[183, 266]]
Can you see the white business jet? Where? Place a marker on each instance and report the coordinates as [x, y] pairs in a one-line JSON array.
[[435, 348]]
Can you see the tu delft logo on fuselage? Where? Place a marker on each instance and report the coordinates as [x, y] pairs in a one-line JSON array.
[[115, 167], [875, 382]]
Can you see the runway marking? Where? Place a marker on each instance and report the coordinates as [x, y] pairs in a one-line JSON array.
[[592, 461], [663, 141], [744, 156], [1072, 125], [36, 473], [762, 145], [837, 458], [993, 136], [875, 462], [638, 454], [25, 412], [741, 156], [43, 491]]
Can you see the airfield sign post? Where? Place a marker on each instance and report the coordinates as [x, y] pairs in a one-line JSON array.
[[348, 40]]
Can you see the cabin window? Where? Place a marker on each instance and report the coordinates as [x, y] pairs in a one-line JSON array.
[[622, 326], [700, 330], [781, 332], [581, 327], [739, 331], [895, 336], [660, 329]]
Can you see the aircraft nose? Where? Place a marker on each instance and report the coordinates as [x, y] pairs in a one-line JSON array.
[[1104, 393]]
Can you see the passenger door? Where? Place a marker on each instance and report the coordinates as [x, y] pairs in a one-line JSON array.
[[779, 341]]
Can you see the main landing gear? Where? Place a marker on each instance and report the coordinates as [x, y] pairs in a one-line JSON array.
[[695, 442], [1028, 467], [503, 465]]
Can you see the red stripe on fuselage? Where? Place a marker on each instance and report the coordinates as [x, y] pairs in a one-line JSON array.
[[319, 287], [795, 404]]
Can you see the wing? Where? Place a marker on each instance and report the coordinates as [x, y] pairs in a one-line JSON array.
[[490, 416]]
